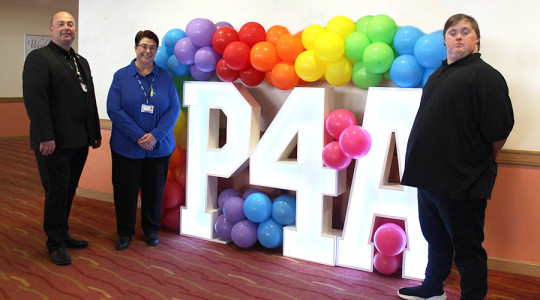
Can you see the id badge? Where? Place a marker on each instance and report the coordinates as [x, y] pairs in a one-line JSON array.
[[145, 108], [84, 88]]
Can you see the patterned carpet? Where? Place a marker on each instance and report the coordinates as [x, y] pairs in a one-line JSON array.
[[179, 268]]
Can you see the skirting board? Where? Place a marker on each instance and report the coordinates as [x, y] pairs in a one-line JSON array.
[[497, 264]]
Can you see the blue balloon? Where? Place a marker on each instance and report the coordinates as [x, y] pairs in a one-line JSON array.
[[257, 207], [405, 39], [171, 38], [250, 191], [406, 72], [284, 210], [430, 50], [427, 73], [176, 68], [270, 233], [162, 57]]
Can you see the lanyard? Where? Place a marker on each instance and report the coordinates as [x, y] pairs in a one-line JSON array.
[[142, 87]]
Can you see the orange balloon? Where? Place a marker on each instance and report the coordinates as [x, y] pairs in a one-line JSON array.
[[169, 177], [284, 76], [177, 158], [263, 56], [275, 32], [179, 175], [288, 47], [268, 77]]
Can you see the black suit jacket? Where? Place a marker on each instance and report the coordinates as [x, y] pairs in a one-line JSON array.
[[58, 108]]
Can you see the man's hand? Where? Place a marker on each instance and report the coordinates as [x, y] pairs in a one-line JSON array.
[[47, 148], [97, 143], [147, 142]]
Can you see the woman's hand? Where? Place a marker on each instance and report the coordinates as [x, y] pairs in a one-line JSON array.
[[147, 142]]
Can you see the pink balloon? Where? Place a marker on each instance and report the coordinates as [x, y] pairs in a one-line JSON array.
[[338, 120], [386, 265], [334, 158], [355, 141], [390, 239]]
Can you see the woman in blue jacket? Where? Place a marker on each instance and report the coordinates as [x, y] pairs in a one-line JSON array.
[[143, 107]]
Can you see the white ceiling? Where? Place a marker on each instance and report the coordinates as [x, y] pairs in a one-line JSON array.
[[69, 5]]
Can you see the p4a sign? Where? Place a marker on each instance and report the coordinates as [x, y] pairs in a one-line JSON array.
[[388, 116]]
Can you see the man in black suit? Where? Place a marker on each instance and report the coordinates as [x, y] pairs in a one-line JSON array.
[[59, 97]]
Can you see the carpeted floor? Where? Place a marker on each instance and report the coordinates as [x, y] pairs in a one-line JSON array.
[[179, 268]]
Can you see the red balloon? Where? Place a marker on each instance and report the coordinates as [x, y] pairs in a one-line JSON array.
[[171, 220], [334, 158], [178, 175], [386, 265], [338, 120], [177, 158], [222, 37], [251, 77], [173, 195], [390, 239], [251, 33], [225, 73], [236, 55], [355, 141]]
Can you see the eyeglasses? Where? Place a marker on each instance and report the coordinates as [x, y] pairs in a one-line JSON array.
[[146, 47]]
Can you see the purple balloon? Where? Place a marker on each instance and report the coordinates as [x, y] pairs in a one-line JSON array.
[[225, 195], [201, 31], [244, 233], [224, 227], [250, 191], [206, 59], [234, 209], [201, 75], [184, 50], [223, 24]]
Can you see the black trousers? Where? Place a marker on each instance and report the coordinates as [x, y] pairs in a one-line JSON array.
[[59, 173], [454, 231], [129, 175]]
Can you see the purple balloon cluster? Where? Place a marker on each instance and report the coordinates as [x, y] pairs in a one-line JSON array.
[[253, 216], [190, 52], [353, 141]]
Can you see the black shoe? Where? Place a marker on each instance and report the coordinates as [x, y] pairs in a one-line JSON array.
[[421, 292], [152, 239], [122, 242], [59, 256], [73, 243]]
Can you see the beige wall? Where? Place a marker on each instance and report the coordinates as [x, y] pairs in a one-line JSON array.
[[16, 21]]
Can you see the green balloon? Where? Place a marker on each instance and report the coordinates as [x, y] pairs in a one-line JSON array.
[[381, 28], [179, 84], [355, 45], [364, 79], [378, 57], [362, 23]]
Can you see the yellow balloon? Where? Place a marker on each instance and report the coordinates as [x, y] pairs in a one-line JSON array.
[[329, 46], [308, 66], [180, 138], [310, 34], [339, 73], [180, 122], [341, 25]]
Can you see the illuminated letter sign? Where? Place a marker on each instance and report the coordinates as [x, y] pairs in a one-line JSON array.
[[206, 161], [388, 116]]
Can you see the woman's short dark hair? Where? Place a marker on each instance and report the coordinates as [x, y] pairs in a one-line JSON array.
[[146, 34], [453, 20]]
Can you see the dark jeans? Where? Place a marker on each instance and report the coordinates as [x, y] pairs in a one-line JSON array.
[[454, 231], [129, 175], [59, 173]]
